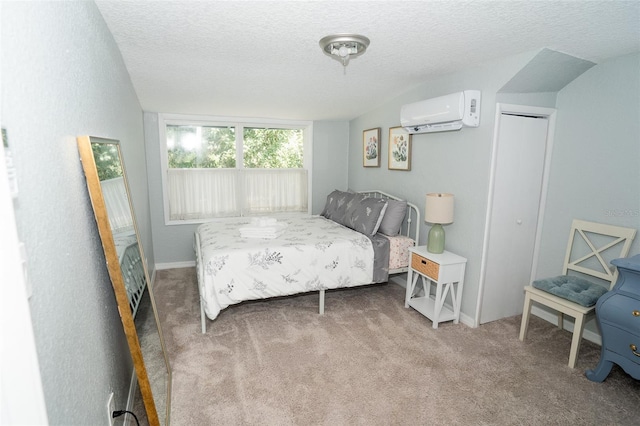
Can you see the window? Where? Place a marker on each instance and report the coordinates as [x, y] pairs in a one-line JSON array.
[[114, 190], [221, 168]]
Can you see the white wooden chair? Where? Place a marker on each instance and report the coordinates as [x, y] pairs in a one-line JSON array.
[[588, 242]]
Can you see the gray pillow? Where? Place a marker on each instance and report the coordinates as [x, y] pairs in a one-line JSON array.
[[336, 205], [393, 217], [365, 214]]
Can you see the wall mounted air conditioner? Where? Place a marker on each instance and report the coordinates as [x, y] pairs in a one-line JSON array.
[[442, 114]]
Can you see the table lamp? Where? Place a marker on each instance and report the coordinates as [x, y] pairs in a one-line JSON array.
[[438, 210]]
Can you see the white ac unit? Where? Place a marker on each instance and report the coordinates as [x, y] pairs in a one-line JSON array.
[[445, 113]]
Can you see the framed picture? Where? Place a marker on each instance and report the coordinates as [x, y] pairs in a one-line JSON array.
[[371, 147], [399, 149]]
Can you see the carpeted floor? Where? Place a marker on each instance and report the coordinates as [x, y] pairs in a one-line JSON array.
[[370, 361]]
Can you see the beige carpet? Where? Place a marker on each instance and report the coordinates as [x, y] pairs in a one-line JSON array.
[[370, 361]]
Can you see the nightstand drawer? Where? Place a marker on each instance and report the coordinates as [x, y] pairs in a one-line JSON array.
[[425, 266]]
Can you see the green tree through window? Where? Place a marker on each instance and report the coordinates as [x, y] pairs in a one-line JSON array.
[[215, 147], [273, 148], [107, 160], [201, 147]]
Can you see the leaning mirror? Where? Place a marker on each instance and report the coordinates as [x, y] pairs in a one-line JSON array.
[[124, 254]]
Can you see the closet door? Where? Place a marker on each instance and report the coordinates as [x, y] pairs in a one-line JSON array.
[[519, 167]]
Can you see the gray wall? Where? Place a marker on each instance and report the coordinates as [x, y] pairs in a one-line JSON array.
[[173, 244], [545, 100], [595, 173], [455, 162], [594, 165], [330, 160], [63, 76]]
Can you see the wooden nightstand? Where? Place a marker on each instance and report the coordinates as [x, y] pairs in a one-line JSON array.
[[446, 272]]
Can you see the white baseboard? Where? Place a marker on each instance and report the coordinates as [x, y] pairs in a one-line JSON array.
[[133, 391], [567, 324], [175, 265], [400, 279], [467, 320]]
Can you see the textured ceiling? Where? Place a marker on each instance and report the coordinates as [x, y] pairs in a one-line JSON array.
[[262, 58]]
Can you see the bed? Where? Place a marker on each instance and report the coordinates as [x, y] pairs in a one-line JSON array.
[[360, 238], [131, 266]]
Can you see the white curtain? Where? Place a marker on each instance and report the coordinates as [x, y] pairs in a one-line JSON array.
[[275, 190], [207, 193], [202, 193], [117, 201]]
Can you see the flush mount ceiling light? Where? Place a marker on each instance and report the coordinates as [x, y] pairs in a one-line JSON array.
[[344, 46]]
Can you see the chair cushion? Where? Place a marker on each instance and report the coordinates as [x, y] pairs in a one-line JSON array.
[[575, 289]]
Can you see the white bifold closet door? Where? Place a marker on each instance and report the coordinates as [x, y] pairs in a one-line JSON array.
[[518, 175]]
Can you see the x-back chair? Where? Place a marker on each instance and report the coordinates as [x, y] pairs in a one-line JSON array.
[[571, 294]]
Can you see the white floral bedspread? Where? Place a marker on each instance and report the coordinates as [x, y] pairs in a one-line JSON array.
[[312, 254]]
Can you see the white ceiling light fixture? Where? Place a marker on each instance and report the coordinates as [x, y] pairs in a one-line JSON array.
[[344, 46]]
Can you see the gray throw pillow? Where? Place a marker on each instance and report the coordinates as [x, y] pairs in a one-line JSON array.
[[365, 214], [393, 217], [336, 205]]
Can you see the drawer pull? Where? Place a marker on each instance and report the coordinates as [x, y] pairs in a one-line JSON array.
[[635, 313], [634, 349]]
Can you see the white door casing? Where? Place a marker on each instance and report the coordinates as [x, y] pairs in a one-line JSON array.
[[21, 395], [519, 172]]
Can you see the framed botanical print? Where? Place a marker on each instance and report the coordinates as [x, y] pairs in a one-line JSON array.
[[399, 149], [371, 147]]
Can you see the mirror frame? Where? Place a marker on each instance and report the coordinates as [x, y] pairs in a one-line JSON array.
[[115, 273]]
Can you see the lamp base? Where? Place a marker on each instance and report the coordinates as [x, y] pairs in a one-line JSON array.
[[435, 242]]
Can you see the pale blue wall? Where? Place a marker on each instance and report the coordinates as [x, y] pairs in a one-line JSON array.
[[545, 100], [456, 162], [170, 243], [594, 166], [595, 169], [63, 76], [173, 244], [330, 160]]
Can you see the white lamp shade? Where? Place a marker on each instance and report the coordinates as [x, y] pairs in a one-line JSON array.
[[439, 208]]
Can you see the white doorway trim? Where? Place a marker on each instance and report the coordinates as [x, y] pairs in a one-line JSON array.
[[22, 397], [530, 111]]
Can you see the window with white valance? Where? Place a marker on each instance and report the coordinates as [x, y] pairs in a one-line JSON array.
[[219, 168]]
